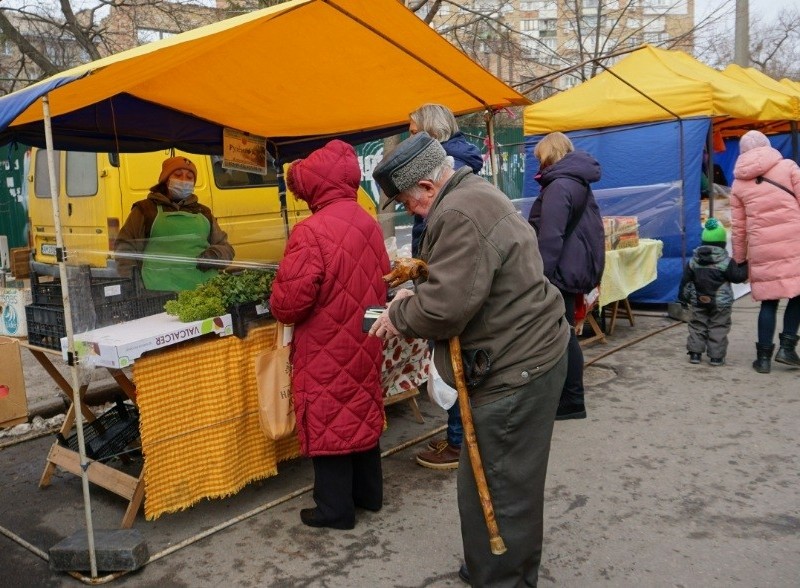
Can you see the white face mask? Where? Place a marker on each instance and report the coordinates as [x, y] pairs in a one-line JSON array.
[[180, 189]]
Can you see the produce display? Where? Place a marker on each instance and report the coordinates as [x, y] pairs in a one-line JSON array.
[[220, 293]]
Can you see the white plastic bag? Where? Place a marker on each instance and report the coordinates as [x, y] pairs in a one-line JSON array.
[[439, 392]]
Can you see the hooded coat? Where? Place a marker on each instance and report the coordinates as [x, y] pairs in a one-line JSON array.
[[765, 222], [572, 247], [464, 154], [330, 273]]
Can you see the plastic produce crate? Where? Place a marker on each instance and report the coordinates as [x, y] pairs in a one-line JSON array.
[[247, 315], [103, 290], [109, 435]]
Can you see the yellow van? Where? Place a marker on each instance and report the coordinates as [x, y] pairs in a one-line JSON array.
[[96, 192]]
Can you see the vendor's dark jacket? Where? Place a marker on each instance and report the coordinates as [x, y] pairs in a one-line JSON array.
[[486, 285], [464, 154], [330, 273], [707, 278], [573, 251], [135, 232]]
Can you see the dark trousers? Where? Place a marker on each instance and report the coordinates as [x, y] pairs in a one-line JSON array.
[[768, 316], [573, 386], [514, 440], [344, 482], [708, 331]]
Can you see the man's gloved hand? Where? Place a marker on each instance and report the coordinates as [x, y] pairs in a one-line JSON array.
[[208, 260]]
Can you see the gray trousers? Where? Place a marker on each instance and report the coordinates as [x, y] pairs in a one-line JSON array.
[[708, 331], [514, 441]]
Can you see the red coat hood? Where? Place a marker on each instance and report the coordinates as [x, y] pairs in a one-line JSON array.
[[329, 174]]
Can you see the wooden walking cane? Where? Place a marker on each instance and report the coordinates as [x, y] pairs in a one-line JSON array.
[[405, 269]]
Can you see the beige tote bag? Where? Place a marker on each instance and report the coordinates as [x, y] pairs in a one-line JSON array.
[[274, 381]]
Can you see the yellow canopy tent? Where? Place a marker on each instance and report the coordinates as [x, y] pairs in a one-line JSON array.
[[654, 84], [307, 68]]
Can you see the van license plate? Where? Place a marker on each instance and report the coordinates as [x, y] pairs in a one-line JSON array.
[[48, 249]]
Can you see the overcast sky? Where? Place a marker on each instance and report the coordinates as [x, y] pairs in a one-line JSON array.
[[768, 8]]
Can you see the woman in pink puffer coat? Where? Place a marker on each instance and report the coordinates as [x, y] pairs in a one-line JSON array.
[[765, 218]]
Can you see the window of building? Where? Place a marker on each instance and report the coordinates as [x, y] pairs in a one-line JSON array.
[[145, 36], [633, 23], [655, 25], [655, 38], [527, 25], [664, 7]]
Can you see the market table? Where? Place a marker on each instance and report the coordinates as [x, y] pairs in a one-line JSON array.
[[98, 473], [627, 270], [198, 408]]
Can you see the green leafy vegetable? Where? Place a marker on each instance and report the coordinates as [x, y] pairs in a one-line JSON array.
[[216, 296]]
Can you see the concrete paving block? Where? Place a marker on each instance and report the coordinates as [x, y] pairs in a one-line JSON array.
[[116, 550]]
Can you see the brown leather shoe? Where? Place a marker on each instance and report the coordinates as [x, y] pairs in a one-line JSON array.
[[444, 457], [437, 444]]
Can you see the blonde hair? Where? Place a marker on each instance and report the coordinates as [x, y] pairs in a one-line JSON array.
[[436, 120], [552, 149]]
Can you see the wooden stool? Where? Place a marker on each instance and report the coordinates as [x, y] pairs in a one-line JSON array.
[[411, 397], [597, 332], [613, 309]]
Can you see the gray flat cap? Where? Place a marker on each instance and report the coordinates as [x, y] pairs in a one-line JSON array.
[[411, 161]]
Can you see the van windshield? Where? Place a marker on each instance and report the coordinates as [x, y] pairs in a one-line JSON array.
[[229, 178]]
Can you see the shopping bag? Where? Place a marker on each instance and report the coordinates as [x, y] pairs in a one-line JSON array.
[[274, 381], [439, 392]]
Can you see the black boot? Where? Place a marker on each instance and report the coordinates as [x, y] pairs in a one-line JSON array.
[[786, 354], [763, 358]]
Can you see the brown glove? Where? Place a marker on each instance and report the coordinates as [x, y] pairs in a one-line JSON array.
[[208, 260], [404, 269]]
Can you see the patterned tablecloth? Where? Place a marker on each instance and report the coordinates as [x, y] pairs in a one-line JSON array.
[[198, 407]]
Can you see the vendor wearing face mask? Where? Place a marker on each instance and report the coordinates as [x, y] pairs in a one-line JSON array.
[[175, 240]]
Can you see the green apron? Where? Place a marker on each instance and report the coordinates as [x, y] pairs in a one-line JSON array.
[[176, 234]]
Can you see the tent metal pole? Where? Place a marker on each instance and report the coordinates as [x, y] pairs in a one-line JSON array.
[[710, 168], [489, 118], [62, 269]]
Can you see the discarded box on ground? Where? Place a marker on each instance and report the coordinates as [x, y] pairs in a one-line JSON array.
[[12, 311], [13, 401]]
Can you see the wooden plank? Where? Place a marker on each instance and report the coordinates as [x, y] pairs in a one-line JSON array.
[[104, 476]]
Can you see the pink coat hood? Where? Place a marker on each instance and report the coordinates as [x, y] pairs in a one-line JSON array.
[[766, 222]]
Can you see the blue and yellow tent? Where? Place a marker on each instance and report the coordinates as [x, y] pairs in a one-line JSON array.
[[298, 73], [647, 119]]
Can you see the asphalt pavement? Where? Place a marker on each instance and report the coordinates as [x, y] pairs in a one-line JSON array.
[[682, 475]]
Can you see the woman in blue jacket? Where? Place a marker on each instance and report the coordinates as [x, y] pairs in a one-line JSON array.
[[440, 123], [571, 240]]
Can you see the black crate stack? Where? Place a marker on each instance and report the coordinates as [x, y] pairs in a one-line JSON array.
[[95, 302]]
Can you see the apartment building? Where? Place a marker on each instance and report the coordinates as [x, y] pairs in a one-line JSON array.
[[528, 40]]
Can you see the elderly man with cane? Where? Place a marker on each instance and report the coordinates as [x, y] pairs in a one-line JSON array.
[[485, 289]]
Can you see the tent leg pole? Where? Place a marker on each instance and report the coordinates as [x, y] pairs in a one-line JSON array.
[[76, 395], [489, 117]]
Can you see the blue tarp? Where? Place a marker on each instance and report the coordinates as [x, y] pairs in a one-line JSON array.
[[643, 169]]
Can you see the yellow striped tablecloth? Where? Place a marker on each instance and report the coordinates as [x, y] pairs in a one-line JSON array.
[[198, 410]]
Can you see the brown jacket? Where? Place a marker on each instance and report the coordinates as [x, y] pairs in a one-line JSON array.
[[135, 232], [486, 284]]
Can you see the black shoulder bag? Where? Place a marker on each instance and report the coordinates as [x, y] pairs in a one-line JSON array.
[[761, 179]]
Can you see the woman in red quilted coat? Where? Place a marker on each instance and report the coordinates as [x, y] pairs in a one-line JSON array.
[[330, 273]]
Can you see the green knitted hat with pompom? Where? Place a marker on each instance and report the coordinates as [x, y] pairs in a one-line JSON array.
[[714, 232]]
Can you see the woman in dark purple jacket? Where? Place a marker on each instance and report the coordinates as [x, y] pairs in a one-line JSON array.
[[571, 240]]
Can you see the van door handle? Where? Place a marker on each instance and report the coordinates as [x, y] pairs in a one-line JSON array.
[[69, 209]]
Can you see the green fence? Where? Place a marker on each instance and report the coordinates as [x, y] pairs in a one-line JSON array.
[[510, 157], [13, 200]]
